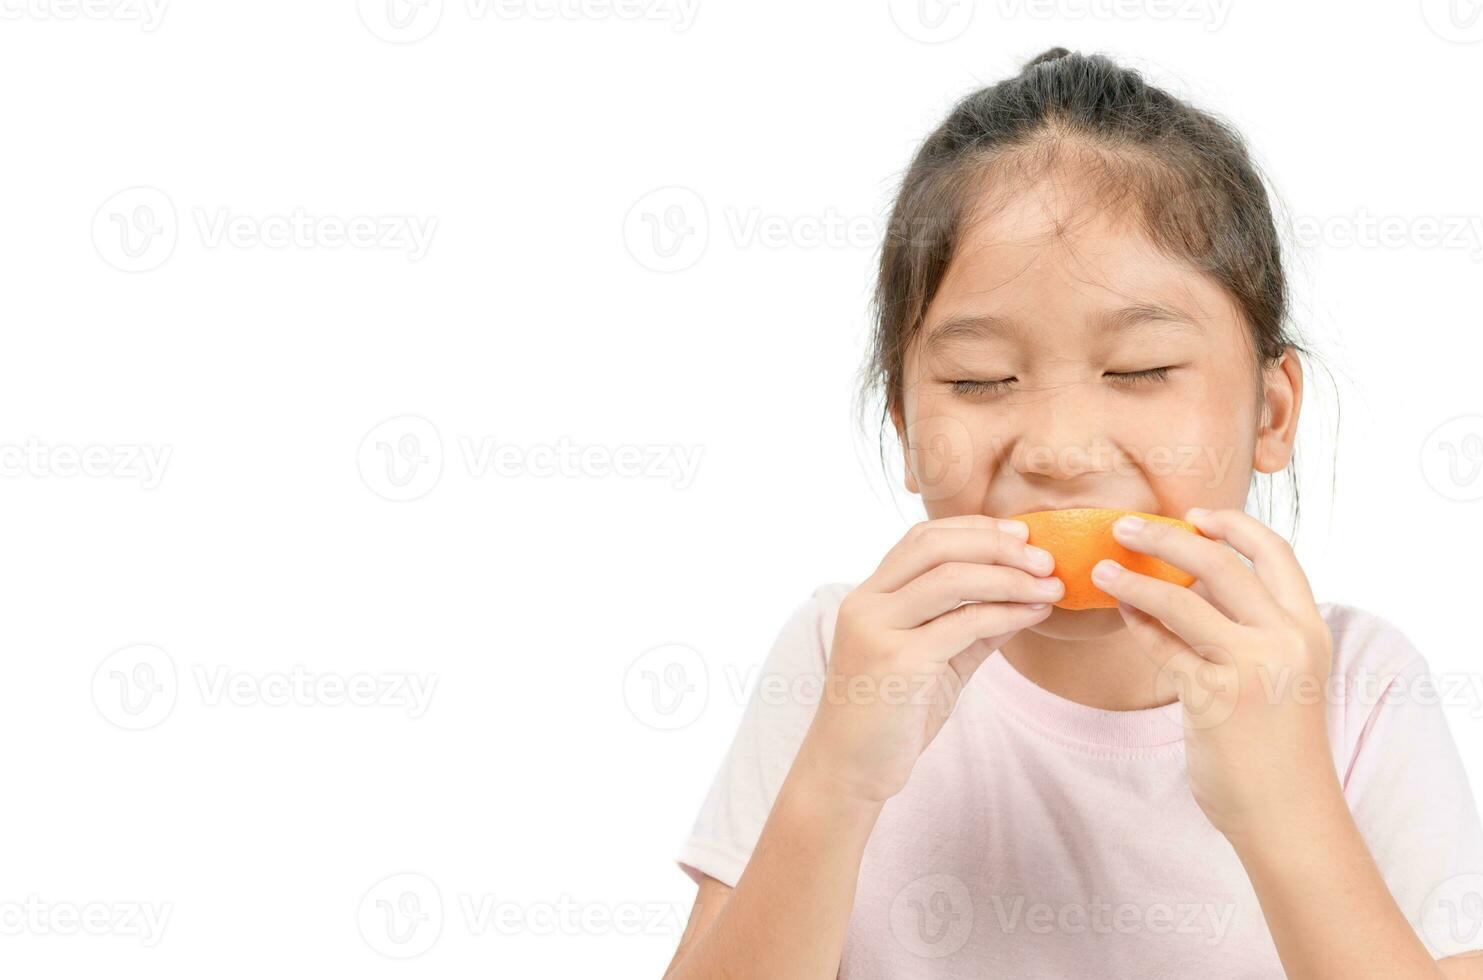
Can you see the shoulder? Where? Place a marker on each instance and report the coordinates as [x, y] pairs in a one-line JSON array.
[[1376, 672], [806, 636], [828, 596], [1366, 643], [826, 600]]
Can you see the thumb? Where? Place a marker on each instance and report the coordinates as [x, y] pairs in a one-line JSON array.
[[1170, 654], [964, 663], [1205, 688]]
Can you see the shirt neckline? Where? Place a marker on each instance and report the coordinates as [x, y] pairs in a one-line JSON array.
[[1102, 727]]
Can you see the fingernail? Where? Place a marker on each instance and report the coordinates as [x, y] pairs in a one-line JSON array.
[[1050, 586], [1128, 524], [1039, 557], [1195, 513], [1019, 529], [1038, 605], [1105, 570]]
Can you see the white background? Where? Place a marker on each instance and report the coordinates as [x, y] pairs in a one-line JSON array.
[[529, 140]]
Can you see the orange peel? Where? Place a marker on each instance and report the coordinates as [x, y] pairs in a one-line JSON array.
[[1079, 537]]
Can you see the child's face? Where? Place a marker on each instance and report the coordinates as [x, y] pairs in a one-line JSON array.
[[1063, 316]]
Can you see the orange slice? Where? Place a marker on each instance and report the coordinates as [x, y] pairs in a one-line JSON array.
[[1080, 537]]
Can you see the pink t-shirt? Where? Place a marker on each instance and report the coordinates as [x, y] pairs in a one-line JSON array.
[[1039, 837]]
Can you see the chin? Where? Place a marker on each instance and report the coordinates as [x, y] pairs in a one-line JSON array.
[[1078, 624]]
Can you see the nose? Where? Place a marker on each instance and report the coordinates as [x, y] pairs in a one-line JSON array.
[[1063, 435]]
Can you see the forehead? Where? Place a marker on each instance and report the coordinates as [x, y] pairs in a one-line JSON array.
[[1053, 253]]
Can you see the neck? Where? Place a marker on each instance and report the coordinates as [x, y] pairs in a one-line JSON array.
[[1110, 671]]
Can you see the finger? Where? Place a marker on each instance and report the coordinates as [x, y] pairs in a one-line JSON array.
[[942, 588], [1188, 616], [949, 634], [1272, 557], [1167, 652], [966, 662], [1230, 581], [973, 538], [1202, 679]]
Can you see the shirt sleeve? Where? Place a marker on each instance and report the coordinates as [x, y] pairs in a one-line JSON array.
[[773, 723], [1409, 793]]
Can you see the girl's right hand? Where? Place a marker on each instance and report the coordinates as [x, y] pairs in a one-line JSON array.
[[904, 646]]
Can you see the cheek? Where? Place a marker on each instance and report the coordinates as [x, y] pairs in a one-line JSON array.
[[1197, 448], [942, 455], [953, 451]]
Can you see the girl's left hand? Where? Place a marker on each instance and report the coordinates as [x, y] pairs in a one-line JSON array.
[[1250, 656]]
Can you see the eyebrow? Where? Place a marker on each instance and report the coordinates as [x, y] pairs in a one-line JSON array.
[[977, 327]]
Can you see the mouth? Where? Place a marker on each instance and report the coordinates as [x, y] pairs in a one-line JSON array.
[[1074, 505]]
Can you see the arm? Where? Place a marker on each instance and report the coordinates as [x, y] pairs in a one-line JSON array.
[[1244, 646], [906, 641], [787, 916], [1329, 910], [1468, 966]]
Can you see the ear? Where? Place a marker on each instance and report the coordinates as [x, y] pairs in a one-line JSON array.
[[898, 420], [1282, 397]]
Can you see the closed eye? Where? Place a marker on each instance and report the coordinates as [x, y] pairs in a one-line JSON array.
[[1127, 379], [981, 387], [1134, 378]]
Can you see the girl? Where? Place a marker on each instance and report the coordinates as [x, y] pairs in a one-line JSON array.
[[1081, 304]]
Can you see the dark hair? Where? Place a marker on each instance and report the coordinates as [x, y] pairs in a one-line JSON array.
[[1185, 174]]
